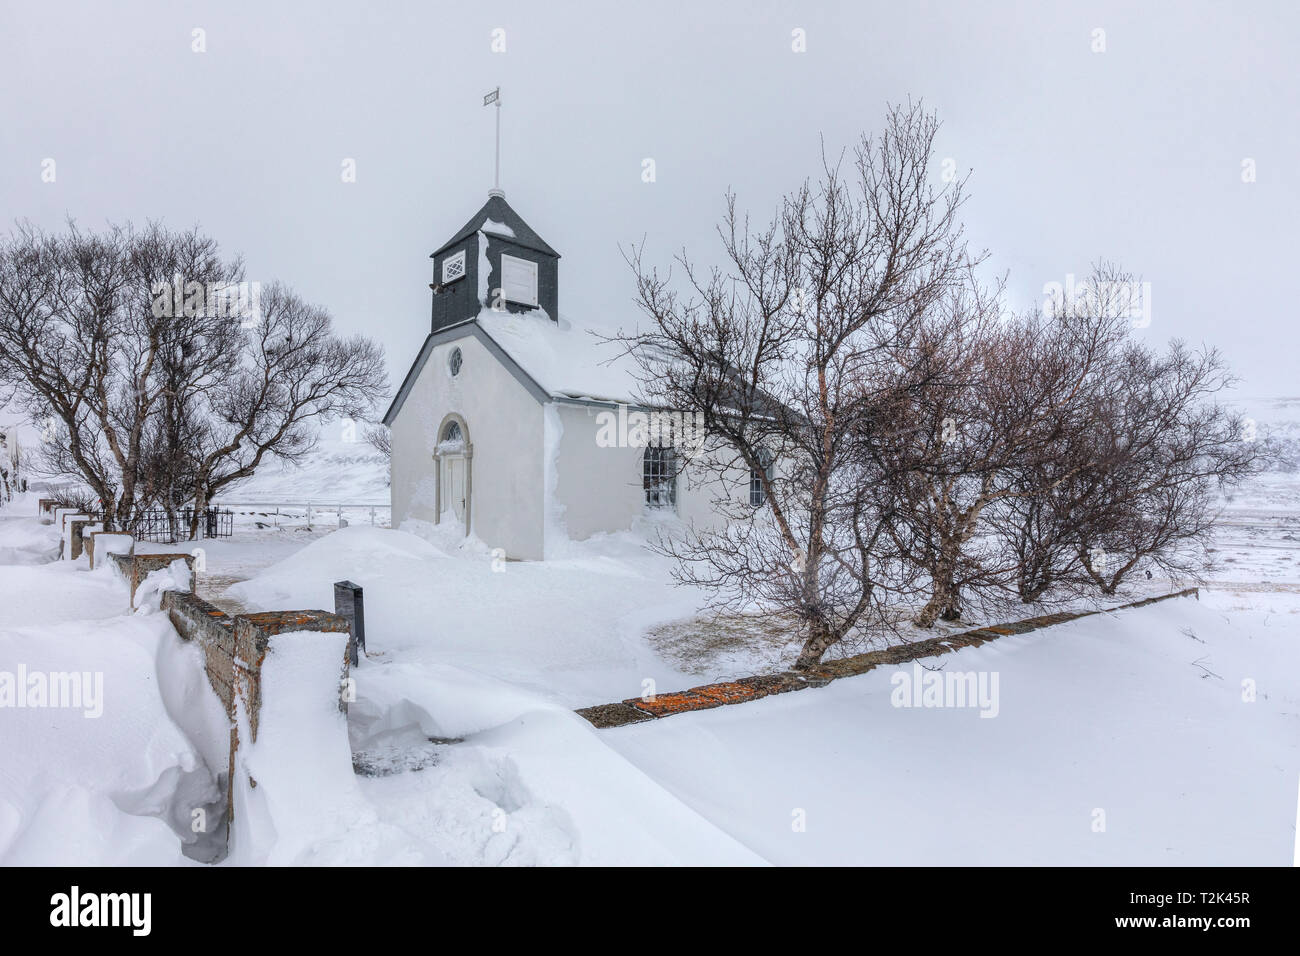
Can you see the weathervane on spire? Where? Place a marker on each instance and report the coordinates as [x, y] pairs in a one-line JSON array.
[[488, 100]]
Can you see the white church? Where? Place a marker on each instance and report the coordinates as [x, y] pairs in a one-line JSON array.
[[513, 423]]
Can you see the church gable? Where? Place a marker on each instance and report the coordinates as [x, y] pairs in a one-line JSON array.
[[461, 331], [486, 470]]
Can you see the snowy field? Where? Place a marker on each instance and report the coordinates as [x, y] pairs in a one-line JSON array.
[[1175, 726]]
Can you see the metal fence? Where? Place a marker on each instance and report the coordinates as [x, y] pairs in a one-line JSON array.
[[159, 526], [310, 513]]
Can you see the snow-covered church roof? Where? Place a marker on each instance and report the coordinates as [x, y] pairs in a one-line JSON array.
[[554, 361], [567, 360]]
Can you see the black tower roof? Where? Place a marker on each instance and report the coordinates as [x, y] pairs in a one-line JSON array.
[[498, 210]]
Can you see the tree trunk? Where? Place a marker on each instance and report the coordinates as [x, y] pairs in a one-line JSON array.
[[200, 506], [820, 639], [945, 601], [1030, 593], [1033, 585]]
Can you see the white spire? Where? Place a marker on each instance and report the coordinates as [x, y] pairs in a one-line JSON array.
[[488, 100]]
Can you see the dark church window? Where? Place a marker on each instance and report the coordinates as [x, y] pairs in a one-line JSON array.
[[659, 476], [453, 362], [757, 493]]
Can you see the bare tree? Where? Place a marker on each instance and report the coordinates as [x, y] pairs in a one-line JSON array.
[[1133, 481], [48, 358], [994, 435], [380, 439], [1170, 449], [92, 358], [779, 356], [148, 388], [293, 371]]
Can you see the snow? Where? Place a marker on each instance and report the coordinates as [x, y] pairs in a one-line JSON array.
[[112, 543], [76, 790], [555, 533], [342, 469], [307, 807], [34, 591], [568, 629], [1105, 713], [497, 228], [174, 577], [567, 361], [25, 539], [484, 268], [1177, 723], [193, 706], [537, 786], [1139, 714]]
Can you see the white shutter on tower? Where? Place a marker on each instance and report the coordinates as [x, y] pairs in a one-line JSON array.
[[519, 280]]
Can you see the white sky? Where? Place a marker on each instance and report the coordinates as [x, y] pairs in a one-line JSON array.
[[1133, 154]]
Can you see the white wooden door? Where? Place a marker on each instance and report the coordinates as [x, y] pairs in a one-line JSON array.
[[454, 483]]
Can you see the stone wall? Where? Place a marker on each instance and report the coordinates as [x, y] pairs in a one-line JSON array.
[[76, 536], [105, 543], [234, 649], [744, 689], [135, 567]]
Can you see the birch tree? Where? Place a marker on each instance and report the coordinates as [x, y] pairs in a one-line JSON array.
[[780, 353]]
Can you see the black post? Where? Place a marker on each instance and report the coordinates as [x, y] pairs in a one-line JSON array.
[[348, 603]]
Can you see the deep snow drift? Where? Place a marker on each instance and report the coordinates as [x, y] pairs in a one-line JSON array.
[[1175, 727], [1178, 722], [110, 778]]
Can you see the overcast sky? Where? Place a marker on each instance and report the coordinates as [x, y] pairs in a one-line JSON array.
[[1135, 153]]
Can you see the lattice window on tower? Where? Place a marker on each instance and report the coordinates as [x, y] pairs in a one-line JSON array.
[[453, 267]]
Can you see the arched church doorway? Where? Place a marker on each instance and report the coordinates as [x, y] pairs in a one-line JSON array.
[[454, 457]]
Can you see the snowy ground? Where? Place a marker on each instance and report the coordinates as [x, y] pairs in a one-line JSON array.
[[1139, 715], [1164, 735]]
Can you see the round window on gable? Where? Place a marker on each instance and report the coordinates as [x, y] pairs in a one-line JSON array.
[[453, 362]]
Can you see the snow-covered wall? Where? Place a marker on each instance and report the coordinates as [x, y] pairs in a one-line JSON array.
[[598, 489], [294, 781], [234, 656], [135, 567], [601, 489]]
